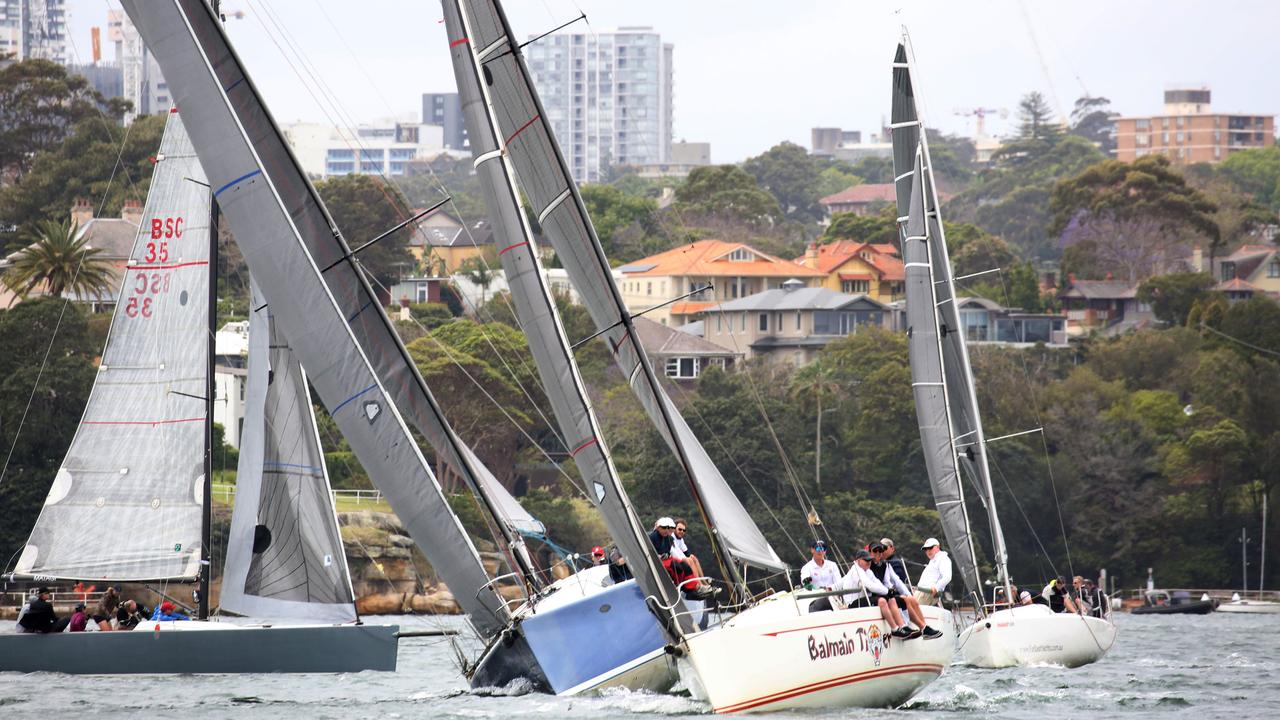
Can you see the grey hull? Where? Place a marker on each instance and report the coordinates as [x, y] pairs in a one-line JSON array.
[[311, 649]]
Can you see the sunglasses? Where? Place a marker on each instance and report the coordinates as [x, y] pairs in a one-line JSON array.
[[679, 529]]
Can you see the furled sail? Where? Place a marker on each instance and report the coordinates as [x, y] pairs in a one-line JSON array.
[[284, 552], [535, 309], [932, 313], [317, 294], [126, 503], [550, 191]]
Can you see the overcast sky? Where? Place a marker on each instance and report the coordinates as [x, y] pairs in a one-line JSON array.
[[751, 73]]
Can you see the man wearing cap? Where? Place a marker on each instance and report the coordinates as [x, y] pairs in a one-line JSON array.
[[936, 575], [819, 574], [661, 536], [871, 591], [679, 570], [40, 617], [899, 593], [597, 555], [895, 562]]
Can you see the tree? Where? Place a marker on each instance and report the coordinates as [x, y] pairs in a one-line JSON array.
[[1093, 120], [881, 228], [1171, 296], [37, 421], [58, 261], [98, 160], [790, 174], [39, 104], [1138, 215], [364, 207], [1255, 171], [726, 192], [479, 272], [628, 225]]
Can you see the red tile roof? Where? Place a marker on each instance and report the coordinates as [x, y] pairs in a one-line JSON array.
[[864, 193], [710, 258], [882, 257]]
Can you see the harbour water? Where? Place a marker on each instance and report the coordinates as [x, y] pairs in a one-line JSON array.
[[1202, 667]]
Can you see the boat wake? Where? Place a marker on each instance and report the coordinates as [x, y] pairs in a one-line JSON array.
[[648, 703]]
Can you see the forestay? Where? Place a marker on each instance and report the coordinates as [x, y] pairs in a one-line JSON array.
[[536, 312], [284, 551], [126, 503], [926, 243], [316, 292], [554, 198]]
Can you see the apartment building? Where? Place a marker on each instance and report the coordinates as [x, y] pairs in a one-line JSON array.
[[1188, 131]]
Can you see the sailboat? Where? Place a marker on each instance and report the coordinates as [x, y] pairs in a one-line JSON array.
[[1240, 602], [951, 432], [322, 301], [761, 659], [130, 502]]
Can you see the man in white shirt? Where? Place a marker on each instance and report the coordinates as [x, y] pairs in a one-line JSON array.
[[936, 575], [871, 591], [820, 574], [899, 593], [680, 550]]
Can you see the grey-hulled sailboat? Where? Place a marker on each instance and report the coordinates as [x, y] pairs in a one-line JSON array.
[[130, 500]]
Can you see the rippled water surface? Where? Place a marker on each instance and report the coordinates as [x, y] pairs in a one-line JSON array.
[[1215, 666]]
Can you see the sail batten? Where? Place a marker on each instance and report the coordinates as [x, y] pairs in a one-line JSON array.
[[551, 192], [284, 550], [126, 503], [356, 364]]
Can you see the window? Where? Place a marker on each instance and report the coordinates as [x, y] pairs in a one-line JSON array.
[[798, 318], [1142, 139], [682, 368], [764, 322], [1164, 138], [741, 255], [1180, 137], [1228, 271], [855, 286], [744, 322], [648, 288], [719, 327], [1273, 269], [975, 324]]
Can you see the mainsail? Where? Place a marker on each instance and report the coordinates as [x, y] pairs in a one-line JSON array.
[[127, 501], [551, 192], [316, 291], [536, 311], [284, 552], [946, 403]]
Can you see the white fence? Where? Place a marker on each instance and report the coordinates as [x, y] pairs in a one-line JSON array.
[[226, 494]]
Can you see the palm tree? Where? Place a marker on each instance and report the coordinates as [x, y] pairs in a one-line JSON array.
[[55, 258], [479, 273]]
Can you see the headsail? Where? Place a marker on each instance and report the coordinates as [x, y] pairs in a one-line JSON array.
[[284, 551], [550, 191], [535, 309], [127, 501], [938, 350], [316, 292]]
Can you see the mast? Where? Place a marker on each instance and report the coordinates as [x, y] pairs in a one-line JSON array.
[[549, 343], [206, 504]]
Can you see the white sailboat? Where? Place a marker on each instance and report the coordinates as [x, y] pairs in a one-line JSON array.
[[130, 502], [950, 424]]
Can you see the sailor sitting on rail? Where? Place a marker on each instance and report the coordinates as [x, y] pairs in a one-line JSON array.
[[820, 574], [868, 591]]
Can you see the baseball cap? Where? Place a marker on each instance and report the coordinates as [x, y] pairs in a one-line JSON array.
[[666, 522], [597, 550], [862, 555], [876, 547], [886, 542], [931, 542]]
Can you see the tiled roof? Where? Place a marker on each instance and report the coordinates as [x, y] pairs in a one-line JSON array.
[[659, 339], [711, 258], [883, 256], [1100, 290], [1236, 285], [864, 193], [799, 299], [435, 236], [689, 307]]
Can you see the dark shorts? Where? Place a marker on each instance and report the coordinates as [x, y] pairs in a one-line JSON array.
[[902, 602], [820, 604], [862, 602]]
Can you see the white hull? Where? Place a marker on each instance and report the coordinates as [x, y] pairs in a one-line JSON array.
[[1034, 634], [775, 656], [1260, 607]]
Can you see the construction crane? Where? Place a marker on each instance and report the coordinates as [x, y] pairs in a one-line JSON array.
[[981, 115]]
